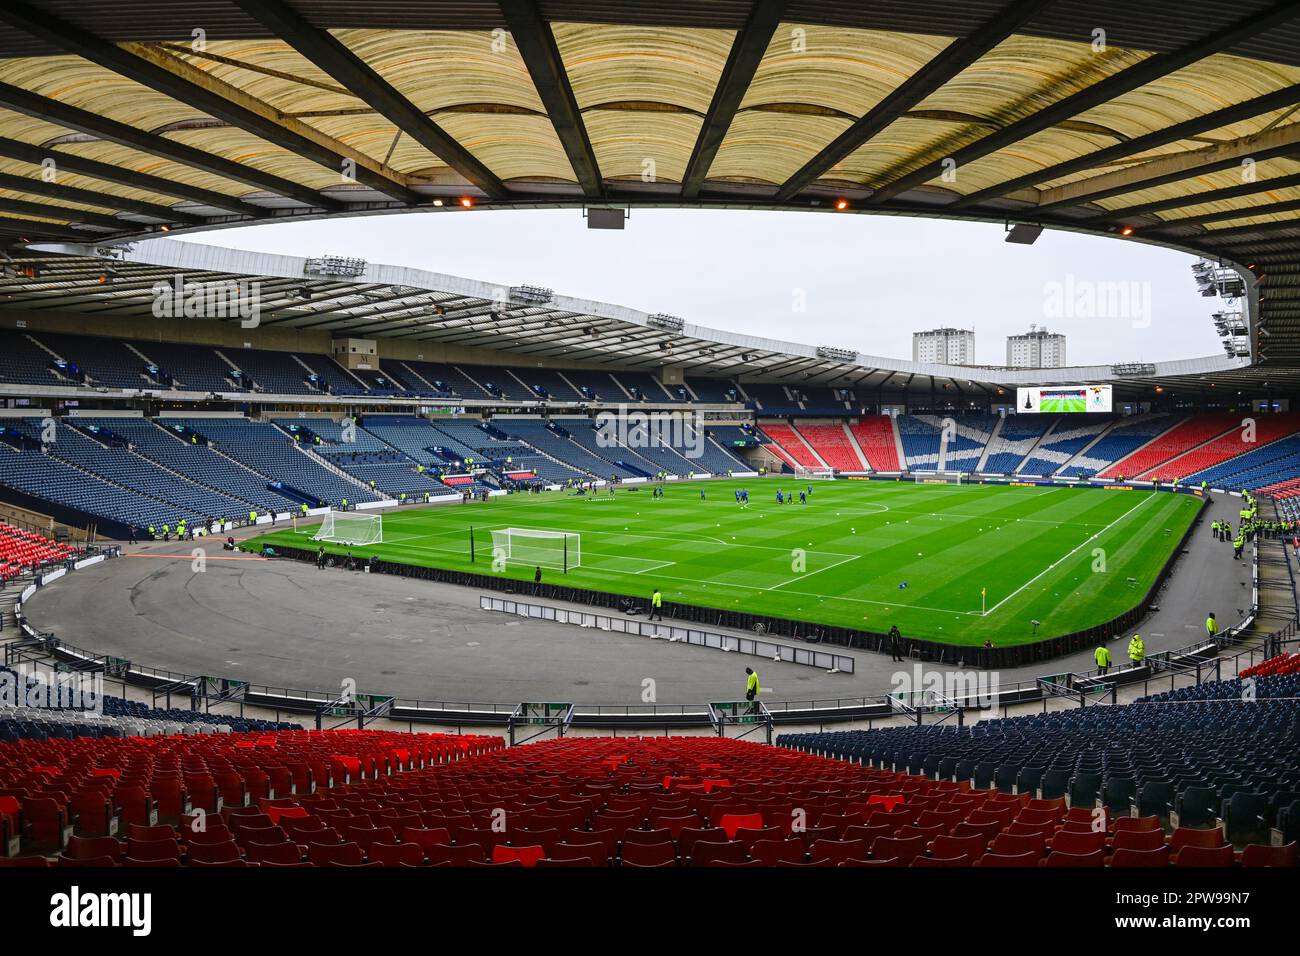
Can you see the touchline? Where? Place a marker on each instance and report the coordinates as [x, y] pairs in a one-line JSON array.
[[75, 909]]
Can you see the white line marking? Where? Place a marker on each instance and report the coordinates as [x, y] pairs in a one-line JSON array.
[[1085, 542], [800, 577]]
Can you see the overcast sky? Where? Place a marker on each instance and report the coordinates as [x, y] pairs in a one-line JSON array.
[[853, 281]]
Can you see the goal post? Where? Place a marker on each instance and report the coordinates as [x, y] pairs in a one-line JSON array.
[[347, 528], [823, 473], [547, 549], [937, 477]]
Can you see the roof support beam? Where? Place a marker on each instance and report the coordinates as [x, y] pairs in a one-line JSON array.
[[84, 121], [1214, 195], [37, 155], [30, 229], [1162, 137], [1259, 228], [537, 46], [747, 51], [956, 57], [1280, 141], [162, 71], [323, 49], [34, 185], [1267, 209], [64, 212], [1125, 81]]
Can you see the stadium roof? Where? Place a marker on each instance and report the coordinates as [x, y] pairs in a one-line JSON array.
[[1179, 121], [397, 302]]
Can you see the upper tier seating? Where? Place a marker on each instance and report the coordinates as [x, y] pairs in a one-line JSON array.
[[1181, 438], [819, 399], [646, 386], [269, 371], [107, 362], [833, 445], [771, 399], [1070, 436], [1241, 440], [444, 380], [23, 362], [191, 367], [875, 435], [713, 390], [598, 385], [499, 382], [333, 377], [386, 382], [1126, 437], [551, 383]]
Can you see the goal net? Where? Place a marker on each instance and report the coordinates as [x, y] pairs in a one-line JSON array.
[[936, 478], [547, 549], [344, 528], [804, 472]]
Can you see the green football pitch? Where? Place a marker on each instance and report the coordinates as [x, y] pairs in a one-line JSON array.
[[858, 554], [1063, 405]]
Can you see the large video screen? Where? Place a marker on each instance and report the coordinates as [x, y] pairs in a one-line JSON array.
[[1063, 398]]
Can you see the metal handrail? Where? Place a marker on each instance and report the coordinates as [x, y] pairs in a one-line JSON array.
[[824, 708]]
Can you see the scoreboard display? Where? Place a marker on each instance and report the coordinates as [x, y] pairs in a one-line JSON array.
[[1063, 398]]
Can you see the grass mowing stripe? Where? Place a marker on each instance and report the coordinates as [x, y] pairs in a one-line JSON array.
[[1054, 564], [875, 553]]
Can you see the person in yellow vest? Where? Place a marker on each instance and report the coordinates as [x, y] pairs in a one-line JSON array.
[[656, 605], [751, 687], [252, 517], [1211, 627], [303, 509], [1102, 656], [345, 504], [1137, 651]]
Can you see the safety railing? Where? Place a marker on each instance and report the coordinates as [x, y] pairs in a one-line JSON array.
[[674, 634], [1194, 663]]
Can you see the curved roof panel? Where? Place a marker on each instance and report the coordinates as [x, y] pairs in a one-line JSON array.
[[1171, 122]]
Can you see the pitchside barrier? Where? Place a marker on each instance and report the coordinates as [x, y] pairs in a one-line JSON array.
[[674, 633], [1017, 655], [1200, 661]]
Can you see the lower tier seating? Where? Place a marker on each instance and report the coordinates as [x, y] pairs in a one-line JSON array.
[[1198, 755], [365, 798]]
